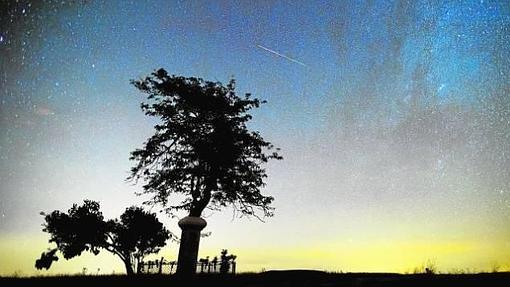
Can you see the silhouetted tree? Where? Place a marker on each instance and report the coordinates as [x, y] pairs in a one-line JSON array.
[[202, 147], [83, 228]]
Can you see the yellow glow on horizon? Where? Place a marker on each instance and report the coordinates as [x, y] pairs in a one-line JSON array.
[[399, 257], [18, 254]]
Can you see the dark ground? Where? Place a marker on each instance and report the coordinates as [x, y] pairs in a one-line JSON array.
[[271, 278]]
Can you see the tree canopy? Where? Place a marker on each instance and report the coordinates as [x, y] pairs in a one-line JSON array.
[[83, 228], [201, 148]]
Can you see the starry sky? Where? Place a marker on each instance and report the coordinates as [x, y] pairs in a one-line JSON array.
[[393, 118]]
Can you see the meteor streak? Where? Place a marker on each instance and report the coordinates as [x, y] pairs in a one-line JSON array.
[[283, 56]]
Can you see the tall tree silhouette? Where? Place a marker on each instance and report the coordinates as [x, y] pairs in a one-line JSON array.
[[201, 148], [83, 228]]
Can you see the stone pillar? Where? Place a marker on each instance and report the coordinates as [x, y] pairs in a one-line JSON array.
[[188, 249]]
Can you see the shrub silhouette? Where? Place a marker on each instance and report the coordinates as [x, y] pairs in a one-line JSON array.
[[83, 228], [46, 259], [226, 261]]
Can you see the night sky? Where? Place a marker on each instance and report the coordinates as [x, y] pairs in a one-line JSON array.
[[393, 118]]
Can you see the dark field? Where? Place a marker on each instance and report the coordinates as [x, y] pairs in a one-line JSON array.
[[271, 278]]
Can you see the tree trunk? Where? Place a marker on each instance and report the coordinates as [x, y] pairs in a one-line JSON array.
[[129, 267], [199, 205], [188, 249]]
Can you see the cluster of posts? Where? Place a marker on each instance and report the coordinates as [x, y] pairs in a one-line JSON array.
[[227, 263], [224, 265]]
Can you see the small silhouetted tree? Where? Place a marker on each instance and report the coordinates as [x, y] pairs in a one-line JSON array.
[[83, 228], [226, 261], [201, 149]]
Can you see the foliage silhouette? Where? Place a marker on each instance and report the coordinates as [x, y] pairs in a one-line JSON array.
[[202, 148], [83, 228], [226, 261], [46, 259]]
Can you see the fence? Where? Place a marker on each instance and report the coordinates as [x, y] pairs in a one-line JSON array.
[[162, 266]]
